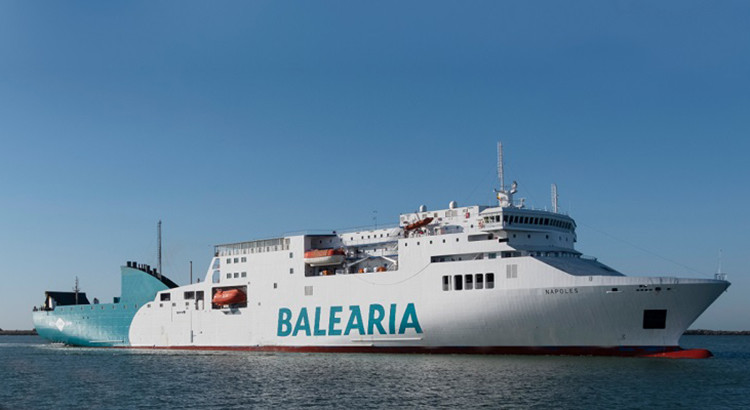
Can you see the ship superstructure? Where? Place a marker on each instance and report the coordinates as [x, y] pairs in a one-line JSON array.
[[478, 279]]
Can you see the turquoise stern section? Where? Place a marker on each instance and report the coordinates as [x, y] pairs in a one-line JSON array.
[[105, 324]]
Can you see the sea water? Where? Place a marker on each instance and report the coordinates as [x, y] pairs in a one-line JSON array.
[[35, 374]]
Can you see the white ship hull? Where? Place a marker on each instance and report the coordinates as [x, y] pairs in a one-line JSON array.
[[540, 308]]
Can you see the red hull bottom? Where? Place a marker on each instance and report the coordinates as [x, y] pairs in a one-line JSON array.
[[672, 352]]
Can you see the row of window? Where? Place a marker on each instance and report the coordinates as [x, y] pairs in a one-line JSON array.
[[469, 281], [463, 257], [91, 307], [188, 295], [242, 260], [236, 275], [529, 220], [351, 238], [419, 243], [263, 245]]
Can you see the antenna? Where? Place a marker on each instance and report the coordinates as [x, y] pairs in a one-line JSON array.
[[500, 175], [76, 289], [554, 198], [504, 198], [158, 241]]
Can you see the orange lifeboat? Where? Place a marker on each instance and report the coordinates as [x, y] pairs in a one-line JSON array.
[[325, 257], [419, 224], [229, 297]]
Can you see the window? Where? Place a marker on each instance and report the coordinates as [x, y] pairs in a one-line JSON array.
[[479, 281], [446, 282], [275, 285], [229, 276], [236, 260], [291, 255], [291, 270], [217, 263], [244, 259], [189, 295], [165, 296], [229, 260], [216, 276], [511, 271], [469, 282], [490, 283], [236, 274], [458, 282], [199, 295]]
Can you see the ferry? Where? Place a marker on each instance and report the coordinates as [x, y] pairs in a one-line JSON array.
[[483, 279]]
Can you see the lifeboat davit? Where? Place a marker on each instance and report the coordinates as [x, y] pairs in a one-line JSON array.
[[325, 257], [229, 297], [420, 223]]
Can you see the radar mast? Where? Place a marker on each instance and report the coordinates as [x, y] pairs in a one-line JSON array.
[[504, 197]]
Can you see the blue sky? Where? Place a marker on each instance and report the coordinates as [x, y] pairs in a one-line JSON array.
[[239, 120]]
